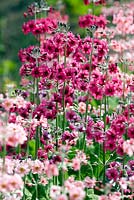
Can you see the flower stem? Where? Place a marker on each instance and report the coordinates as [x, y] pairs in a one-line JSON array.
[[104, 158], [4, 157], [64, 85]]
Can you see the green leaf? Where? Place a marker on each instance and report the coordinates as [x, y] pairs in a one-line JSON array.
[[90, 191], [92, 197], [27, 193], [31, 144]]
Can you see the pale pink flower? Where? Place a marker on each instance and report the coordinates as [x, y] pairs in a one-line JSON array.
[[82, 157], [37, 167], [79, 184], [43, 181], [10, 183], [20, 102], [76, 164], [103, 197], [76, 193], [22, 168], [7, 103], [62, 197], [55, 192], [131, 182], [43, 122], [15, 134], [24, 81], [51, 170], [128, 147], [69, 182], [123, 183], [115, 195], [82, 107], [89, 183]]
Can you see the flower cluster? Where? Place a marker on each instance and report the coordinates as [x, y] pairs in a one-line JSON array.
[[87, 2], [40, 26], [89, 20]]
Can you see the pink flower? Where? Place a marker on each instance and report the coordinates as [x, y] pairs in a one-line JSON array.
[[128, 147], [115, 195], [10, 183], [22, 168], [109, 89], [62, 197], [76, 193], [76, 164], [86, 2], [131, 182], [123, 183], [112, 174], [82, 107], [51, 170], [37, 167], [89, 183], [43, 181], [89, 20], [7, 103], [103, 197], [55, 192], [131, 131], [13, 134]]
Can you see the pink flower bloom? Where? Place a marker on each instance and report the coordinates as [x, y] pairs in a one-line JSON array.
[[131, 182], [128, 147], [22, 168], [40, 26], [76, 193], [37, 167], [10, 183], [55, 192], [86, 2], [112, 174], [123, 183], [103, 197], [115, 195], [62, 197], [43, 122], [76, 164], [51, 170], [89, 20], [131, 131], [7, 103], [82, 107], [43, 181], [89, 183], [13, 134]]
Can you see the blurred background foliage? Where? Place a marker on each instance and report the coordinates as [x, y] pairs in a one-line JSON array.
[[12, 38]]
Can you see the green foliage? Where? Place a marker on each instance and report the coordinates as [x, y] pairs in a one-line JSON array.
[[7, 67], [31, 145], [92, 197]]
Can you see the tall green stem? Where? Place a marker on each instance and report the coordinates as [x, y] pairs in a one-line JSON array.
[[64, 85], [87, 102], [56, 135], [104, 158], [37, 101], [4, 156]]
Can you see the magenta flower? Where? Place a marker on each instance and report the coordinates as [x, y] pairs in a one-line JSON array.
[[131, 131], [71, 115], [112, 174], [89, 20], [86, 2]]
